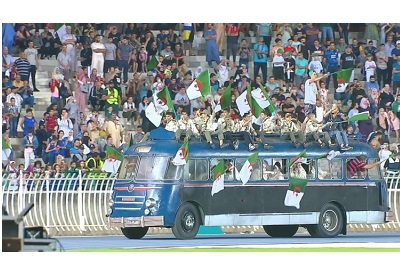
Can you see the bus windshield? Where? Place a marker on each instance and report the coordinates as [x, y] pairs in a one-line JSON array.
[[152, 168], [128, 168]]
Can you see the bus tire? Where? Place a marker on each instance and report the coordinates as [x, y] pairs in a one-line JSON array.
[[330, 222], [134, 232], [281, 230], [187, 222]]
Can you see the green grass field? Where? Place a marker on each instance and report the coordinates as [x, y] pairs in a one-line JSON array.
[[243, 249]]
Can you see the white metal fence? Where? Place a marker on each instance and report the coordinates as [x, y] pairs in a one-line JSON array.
[[74, 204]]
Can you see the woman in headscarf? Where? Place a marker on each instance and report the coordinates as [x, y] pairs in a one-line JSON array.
[[82, 81], [365, 126], [198, 71], [382, 123], [74, 113]]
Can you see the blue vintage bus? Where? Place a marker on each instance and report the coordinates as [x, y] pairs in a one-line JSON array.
[[153, 192]]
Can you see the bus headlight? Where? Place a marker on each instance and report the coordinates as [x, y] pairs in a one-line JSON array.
[[109, 212], [150, 203], [146, 211], [110, 202]]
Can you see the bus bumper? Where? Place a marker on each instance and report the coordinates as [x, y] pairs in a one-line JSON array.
[[142, 221], [388, 217]]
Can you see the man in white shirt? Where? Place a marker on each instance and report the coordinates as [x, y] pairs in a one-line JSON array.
[[310, 95], [98, 51]]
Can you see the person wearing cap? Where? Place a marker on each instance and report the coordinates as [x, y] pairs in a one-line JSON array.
[[370, 67], [207, 128]]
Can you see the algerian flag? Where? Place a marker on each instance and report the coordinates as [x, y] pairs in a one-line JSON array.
[[182, 155], [113, 161], [247, 168], [260, 98], [303, 154], [5, 145], [131, 142], [271, 107], [219, 175], [243, 103], [255, 107], [359, 117], [344, 75], [226, 98], [200, 87], [152, 64], [295, 192], [162, 100], [153, 115], [62, 31]]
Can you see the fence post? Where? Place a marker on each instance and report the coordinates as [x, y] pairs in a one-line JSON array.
[[47, 180], [21, 191], [80, 203]]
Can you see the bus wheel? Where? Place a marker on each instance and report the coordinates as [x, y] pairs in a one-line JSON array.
[[330, 222], [134, 232], [281, 230], [187, 222]]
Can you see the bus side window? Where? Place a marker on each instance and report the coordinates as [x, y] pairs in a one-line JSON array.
[[310, 169], [330, 169], [278, 170], [351, 173], [197, 170], [174, 171]]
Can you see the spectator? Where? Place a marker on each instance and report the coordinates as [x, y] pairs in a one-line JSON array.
[[33, 59], [114, 128], [31, 143], [365, 126], [23, 66], [6, 63], [98, 52], [212, 52], [64, 62], [110, 59]]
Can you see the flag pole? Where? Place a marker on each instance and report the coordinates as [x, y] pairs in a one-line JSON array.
[[340, 71]]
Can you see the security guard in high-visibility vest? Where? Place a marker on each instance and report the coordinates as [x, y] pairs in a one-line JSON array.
[[95, 163], [112, 97]]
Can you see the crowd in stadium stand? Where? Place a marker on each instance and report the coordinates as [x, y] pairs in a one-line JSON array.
[[94, 103]]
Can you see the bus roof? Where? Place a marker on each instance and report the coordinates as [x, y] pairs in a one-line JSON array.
[[279, 149]]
